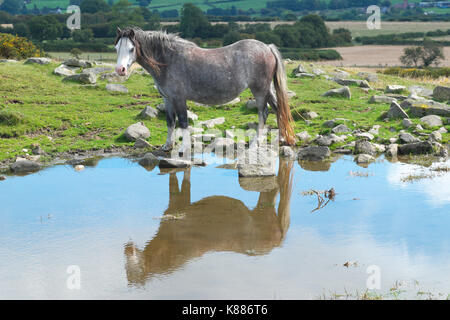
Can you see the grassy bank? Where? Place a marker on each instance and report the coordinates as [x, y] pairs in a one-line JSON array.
[[37, 107]]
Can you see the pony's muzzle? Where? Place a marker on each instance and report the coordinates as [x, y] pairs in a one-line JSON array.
[[121, 71]]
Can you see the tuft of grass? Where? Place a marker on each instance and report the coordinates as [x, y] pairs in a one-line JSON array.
[[11, 118]]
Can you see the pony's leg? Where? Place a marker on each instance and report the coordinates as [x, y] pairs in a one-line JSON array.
[[263, 113], [171, 120], [183, 121]]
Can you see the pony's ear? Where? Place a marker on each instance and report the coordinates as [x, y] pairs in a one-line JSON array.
[[131, 34], [119, 31]]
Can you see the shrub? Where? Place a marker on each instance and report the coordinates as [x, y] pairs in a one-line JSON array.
[[10, 118], [418, 73], [14, 47]]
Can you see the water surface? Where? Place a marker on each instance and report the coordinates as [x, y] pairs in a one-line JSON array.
[[204, 233]]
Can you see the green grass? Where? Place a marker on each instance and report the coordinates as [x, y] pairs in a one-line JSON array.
[[35, 105]]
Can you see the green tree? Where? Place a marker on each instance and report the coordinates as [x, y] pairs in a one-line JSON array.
[[76, 53], [11, 6], [411, 56], [231, 37], [193, 21], [45, 28], [94, 6], [432, 53], [83, 35]]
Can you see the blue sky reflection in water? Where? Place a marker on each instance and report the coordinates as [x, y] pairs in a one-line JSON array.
[[224, 241]]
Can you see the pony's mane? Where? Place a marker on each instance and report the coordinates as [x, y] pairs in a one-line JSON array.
[[152, 45]]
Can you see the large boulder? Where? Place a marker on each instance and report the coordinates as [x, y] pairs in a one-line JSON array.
[[98, 70], [63, 70], [25, 166], [83, 78], [365, 147], [114, 77], [395, 111], [137, 130], [148, 113], [256, 162], [212, 122], [114, 87], [424, 147], [441, 93], [405, 137], [314, 153], [393, 88], [429, 107], [73, 62], [170, 163], [432, 121], [352, 82], [38, 60], [343, 92], [381, 99]]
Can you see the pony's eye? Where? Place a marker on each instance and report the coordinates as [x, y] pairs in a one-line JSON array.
[[131, 50]]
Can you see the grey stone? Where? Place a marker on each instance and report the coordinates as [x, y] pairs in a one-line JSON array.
[[435, 136], [314, 153], [304, 136], [114, 77], [429, 107], [395, 111], [148, 113], [141, 143], [318, 71], [341, 92], [251, 104], [73, 62], [287, 152], [223, 144], [310, 115], [137, 130], [113, 87], [38, 60], [393, 88], [341, 128], [364, 158], [392, 150], [2, 178], [381, 99], [299, 69], [442, 130], [256, 162], [424, 147], [420, 91], [63, 70], [405, 137], [375, 129], [169, 163], [432, 121], [351, 82], [149, 160], [407, 123], [441, 93], [84, 78], [212, 122], [364, 147], [366, 135], [24, 166], [191, 115], [305, 75], [98, 70]]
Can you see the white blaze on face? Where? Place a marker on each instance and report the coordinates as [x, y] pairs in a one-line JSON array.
[[126, 56]]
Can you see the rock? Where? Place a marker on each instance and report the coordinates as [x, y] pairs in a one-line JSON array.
[[2, 178], [223, 144], [135, 131], [303, 136], [341, 92], [419, 128], [114, 77], [407, 123], [149, 160], [73, 62], [343, 151], [429, 107], [251, 104], [212, 122], [424, 147], [310, 115], [365, 147], [365, 135], [299, 69], [442, 130], [328, 140], [63, 70], [374, 130], [259, 184], [23, 166], [169, 163], [195, 130], [38, 60], [341, 73], [393, 88], [420, 91], [432, 121], [441, 93], [290, 94], [395, 111], [305, 75], [371, 77], [8, 61], [405, 137], [203, 137], [287, 152], [341, 128], [329, 123], [161, 107], [393, 140], [191, 115], [318, 71], [112, 87], [381, 99], [98, 70], [84, 78], [148, 113], [364, 158], [380, 148], [351, 82], [141, 143], [36, 149], [255, 162], [79, 167], [435, 136], [314, 153], [392, 150]]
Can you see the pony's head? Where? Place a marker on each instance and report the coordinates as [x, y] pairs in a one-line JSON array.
[[126, 47]]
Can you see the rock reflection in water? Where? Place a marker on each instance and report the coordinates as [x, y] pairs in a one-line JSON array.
[[215, 223]]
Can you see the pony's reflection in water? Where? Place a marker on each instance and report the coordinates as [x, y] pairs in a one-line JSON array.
[[215, 223]]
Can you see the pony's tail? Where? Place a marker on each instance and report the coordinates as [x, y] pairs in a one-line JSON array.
[[284, 116]]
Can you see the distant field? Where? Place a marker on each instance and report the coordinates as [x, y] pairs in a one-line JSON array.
[[375, 56], [98, 56]]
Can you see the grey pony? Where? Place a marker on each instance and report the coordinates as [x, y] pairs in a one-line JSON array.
[[183, 71]]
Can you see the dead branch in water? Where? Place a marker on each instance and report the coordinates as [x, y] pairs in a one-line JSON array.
[[321, 203]]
